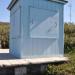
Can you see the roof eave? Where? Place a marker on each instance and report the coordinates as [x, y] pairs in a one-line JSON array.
[[59, 1], [12, 3]]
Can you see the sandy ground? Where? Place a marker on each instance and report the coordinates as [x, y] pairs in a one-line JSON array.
[[4, 50]]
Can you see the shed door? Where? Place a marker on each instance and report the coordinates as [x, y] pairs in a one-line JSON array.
[[43, 23]]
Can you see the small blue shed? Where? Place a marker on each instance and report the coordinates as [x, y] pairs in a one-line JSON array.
[[37, 28]]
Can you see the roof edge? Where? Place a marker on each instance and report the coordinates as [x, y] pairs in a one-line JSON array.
[[12, 3], [59, 1]]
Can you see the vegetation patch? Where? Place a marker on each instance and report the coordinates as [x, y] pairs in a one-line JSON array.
[[4, 34], [63, 69], [69, 34]]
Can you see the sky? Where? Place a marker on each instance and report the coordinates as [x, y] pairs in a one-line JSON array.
[[5, 14], [67, 11]]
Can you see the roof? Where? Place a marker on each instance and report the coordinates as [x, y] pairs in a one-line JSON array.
[[59, 1], [13, 2]]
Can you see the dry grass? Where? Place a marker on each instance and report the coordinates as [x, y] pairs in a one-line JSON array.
[[63, 69]]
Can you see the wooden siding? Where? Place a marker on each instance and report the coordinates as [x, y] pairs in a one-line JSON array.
[[40, 46], [37, 44], [15, 32]]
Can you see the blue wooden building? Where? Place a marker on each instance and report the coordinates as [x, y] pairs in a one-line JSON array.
[[37, 28]]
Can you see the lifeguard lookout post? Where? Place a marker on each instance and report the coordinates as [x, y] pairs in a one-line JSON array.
[[36, 34], [37, 28]]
